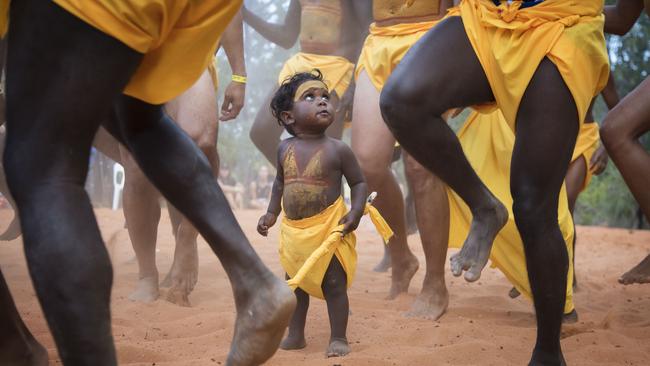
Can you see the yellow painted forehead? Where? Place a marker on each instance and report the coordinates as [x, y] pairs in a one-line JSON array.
[[310, 84]]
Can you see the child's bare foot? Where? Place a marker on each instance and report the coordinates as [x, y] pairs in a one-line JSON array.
[[475, 252], [402, 275], [514, 293], [291, 343], [146, 290], [431, 303], [639, 274], [263, 314], [338, 347], [384, 265]]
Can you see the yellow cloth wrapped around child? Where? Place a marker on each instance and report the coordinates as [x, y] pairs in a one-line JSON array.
[[510, 41], [488, 141], [586, 145], [307, 246], [337, 71]]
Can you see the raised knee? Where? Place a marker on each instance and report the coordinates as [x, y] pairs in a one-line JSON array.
[[612, 137], [394, 101]]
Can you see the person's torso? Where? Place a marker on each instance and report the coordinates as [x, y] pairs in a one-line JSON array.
[[312, 178], [320, 26], [389, 12]]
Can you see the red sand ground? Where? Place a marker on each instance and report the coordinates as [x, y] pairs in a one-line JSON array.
[[482, 326]]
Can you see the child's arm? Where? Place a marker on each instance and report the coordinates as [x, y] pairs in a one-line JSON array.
[[268, 219], [358, 188], [285, 34]]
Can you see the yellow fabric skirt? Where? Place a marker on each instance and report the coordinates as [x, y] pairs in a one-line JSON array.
[[511, 42], [586, 145], [385, 47], [177, 37], [488, 141], [337, 71]]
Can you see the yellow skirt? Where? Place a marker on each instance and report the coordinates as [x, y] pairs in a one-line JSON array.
[[337, 71], [385, 47], [488, 141], [177, 37], [511, 42], [586, 145]]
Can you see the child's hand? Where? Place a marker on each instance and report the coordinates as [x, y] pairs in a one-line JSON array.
[[266, 221], [350, 222]]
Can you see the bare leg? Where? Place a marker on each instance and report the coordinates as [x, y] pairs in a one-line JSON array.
[[296, 337], [373, 145], [338, 308], [142, 213], [575, 179], [13, 229], [17, 344], [46, 170], [432, 209], [413, 102], [196, 113], [621, 129], [182, 174]]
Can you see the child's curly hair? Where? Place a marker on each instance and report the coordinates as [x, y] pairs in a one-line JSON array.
[[283, 98]]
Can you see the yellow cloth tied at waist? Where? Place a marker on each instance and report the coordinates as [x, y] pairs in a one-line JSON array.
[[385, 47], [510, 42], [177, 37], [337, 71], [307, 246], [488, 141], [586, 145]]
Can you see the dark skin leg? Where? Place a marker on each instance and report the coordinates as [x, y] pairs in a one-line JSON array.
[[266, 131], [620, 132], [540, 159], [17, 344], [13, 229], [296, 337], [46, 172], [338, 308]]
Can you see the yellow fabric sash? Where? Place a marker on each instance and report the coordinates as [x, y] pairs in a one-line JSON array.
[[488, 141], [337, 71], [511, 42], [307, 246], [385, 47], [177, 37]]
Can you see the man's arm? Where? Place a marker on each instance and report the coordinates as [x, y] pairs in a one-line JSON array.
[[620, 18], [609, 93], [233, 44], [285, 34]]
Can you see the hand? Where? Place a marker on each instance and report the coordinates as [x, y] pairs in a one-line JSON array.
[[599, 160], [350, 222], [266, 221], [344, 109], [233, 101]]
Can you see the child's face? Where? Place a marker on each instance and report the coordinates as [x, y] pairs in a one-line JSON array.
[[313, 111]]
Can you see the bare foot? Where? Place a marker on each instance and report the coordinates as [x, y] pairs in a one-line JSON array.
[[338, 347], [639, 274], [570, 318], [24, 354], [540, 358], [402, 276], [514, 293], [12, 232], [384, 265], [475, 252], [184, 273], [291, 343], [146, 290], [262, 318], [167, 281], [430, 304]]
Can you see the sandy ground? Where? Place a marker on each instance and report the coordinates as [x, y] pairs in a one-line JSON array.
[[482, 326]]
